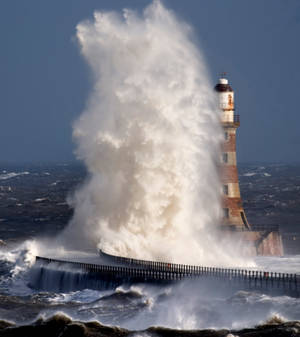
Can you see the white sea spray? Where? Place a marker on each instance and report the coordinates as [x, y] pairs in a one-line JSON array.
[[150, 137]]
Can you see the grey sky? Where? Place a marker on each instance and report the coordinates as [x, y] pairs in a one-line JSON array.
[[44, 82]]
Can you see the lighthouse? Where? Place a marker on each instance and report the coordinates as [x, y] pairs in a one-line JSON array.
[[260, 239], [234, 214]]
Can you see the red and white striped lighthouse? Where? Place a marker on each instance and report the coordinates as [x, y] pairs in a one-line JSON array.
[[259, 239], [234, 214]]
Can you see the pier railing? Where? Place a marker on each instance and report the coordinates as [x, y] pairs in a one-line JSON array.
[[133, 270], [260, 228], [199, 270]]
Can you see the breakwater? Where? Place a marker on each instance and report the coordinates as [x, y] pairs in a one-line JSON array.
[[112, 271]]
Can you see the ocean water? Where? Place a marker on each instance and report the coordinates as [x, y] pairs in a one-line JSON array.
[[33, 210]]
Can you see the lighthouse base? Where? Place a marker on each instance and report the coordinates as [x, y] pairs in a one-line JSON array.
[[262, 241], [265, 243]]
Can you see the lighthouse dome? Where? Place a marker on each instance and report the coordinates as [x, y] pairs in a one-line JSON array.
[[223, 86]]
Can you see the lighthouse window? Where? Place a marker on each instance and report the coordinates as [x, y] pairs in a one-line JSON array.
[[225, 189], [226, 136], [225, 157], [226, 212]]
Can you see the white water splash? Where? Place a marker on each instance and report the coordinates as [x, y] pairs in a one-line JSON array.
[[150, 137], [21, 256], [9, 175]]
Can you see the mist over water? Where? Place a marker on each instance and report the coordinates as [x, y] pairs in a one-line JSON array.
[[149, 137]]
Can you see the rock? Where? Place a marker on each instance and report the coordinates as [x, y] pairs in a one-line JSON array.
[[60, 325], [5, 324]]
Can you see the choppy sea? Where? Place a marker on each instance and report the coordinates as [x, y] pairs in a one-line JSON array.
[[33, 206]]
